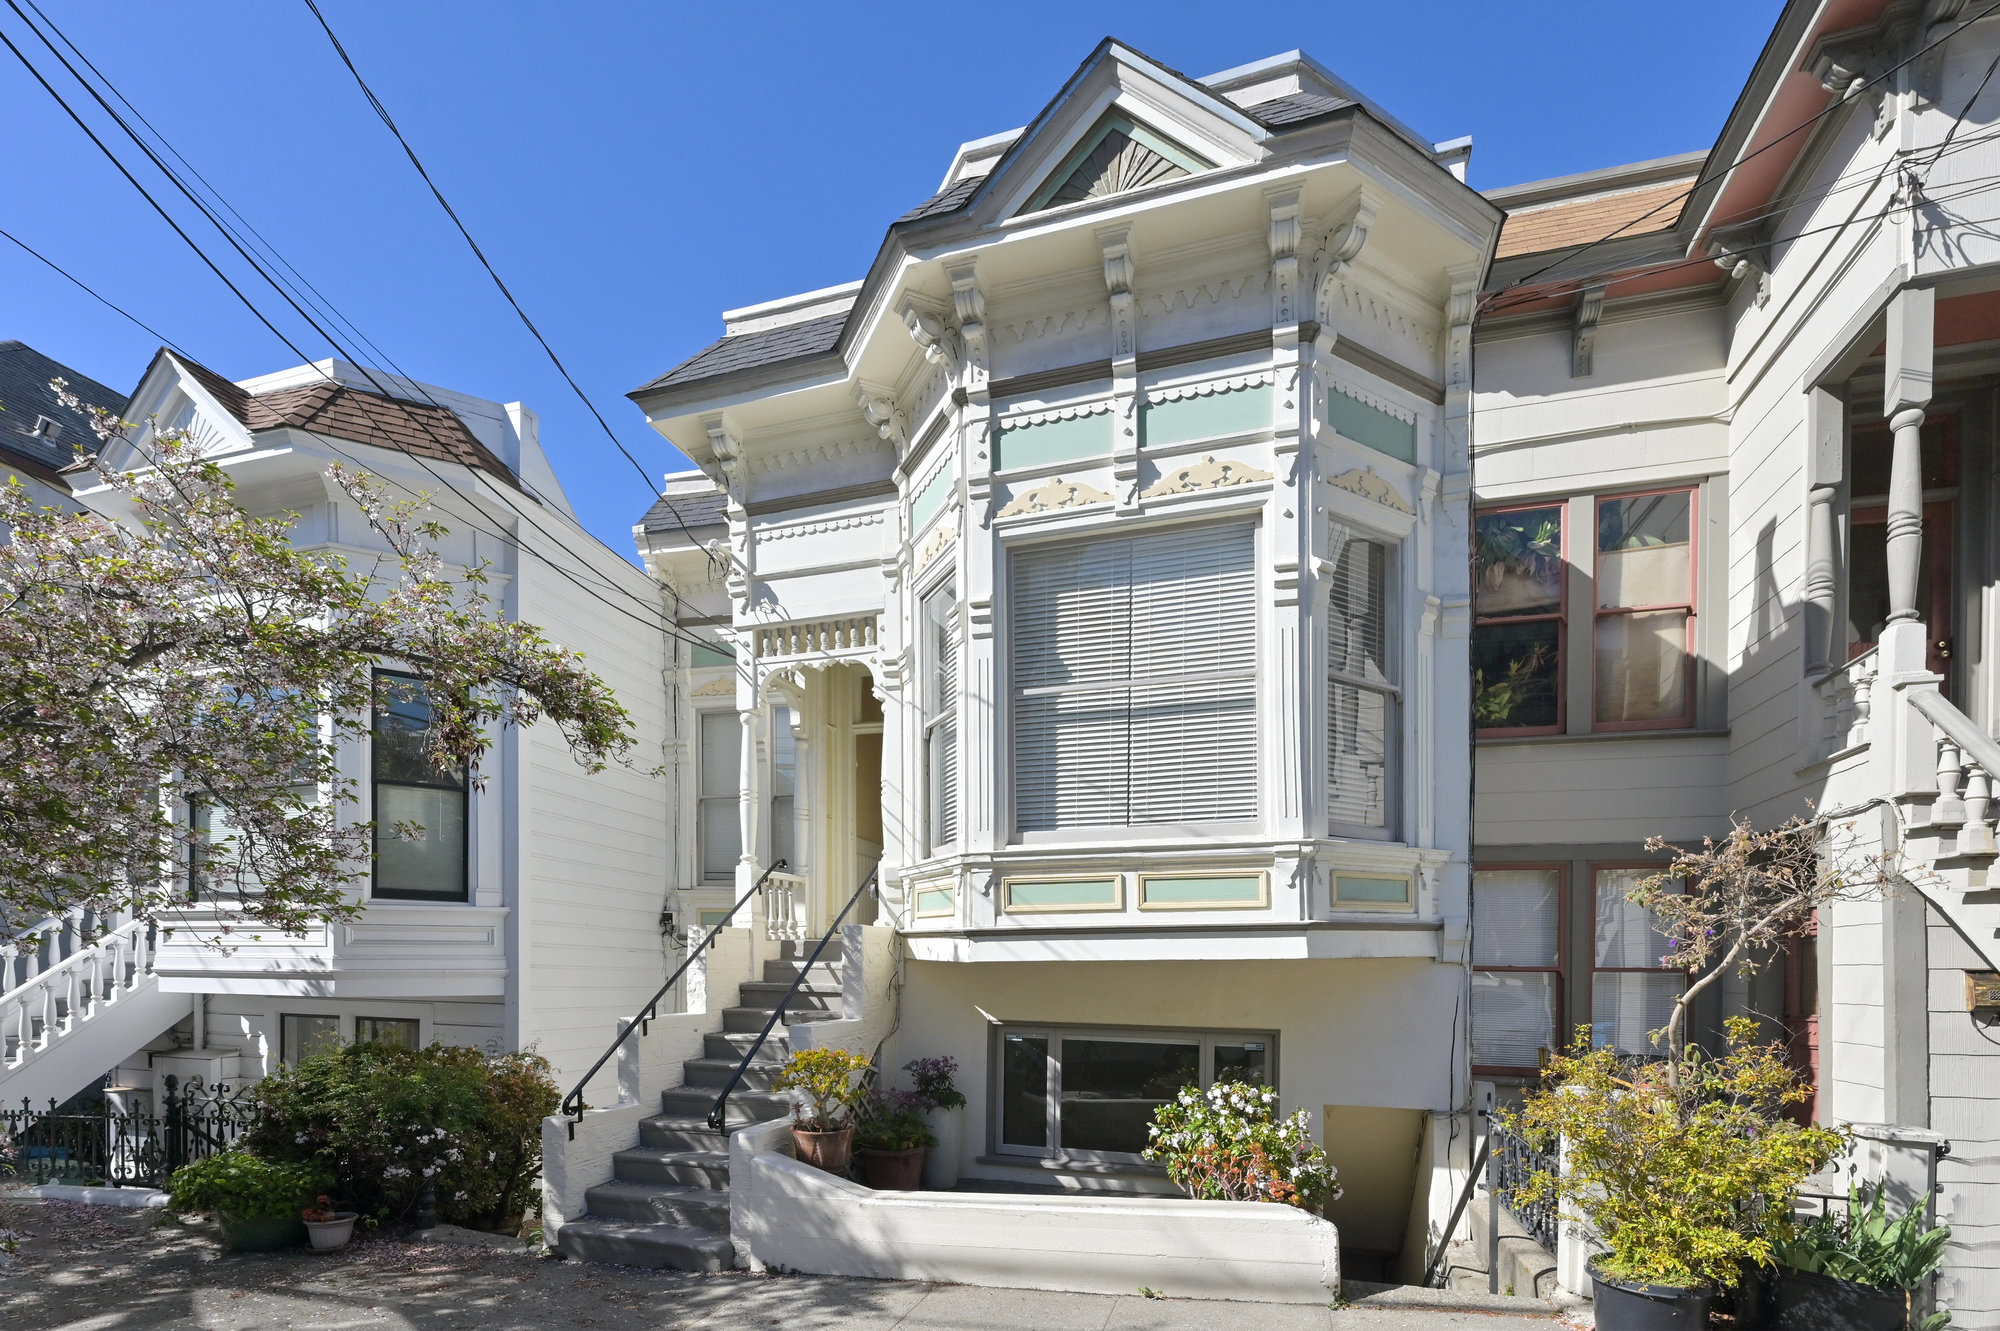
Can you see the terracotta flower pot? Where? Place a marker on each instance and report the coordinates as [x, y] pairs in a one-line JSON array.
[[334, 1233], [893, 1171], [825, 1150]]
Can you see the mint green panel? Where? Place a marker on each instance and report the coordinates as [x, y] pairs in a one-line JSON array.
[[1245, 889], [936, 901], [1162, 424], [1053, 441], [931, 498], [1371, 426], [708, 655], [1062, 893], [1377, 891]]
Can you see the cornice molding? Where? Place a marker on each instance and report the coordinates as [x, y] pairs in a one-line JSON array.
[[797, 529]]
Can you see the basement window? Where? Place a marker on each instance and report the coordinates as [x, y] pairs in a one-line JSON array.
[[1088, 1093]]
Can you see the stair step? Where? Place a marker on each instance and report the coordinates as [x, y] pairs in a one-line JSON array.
[[698, 1208], [765, 994], [715, 1072], [784, 972], [732, 1045], [752, 1019], [656, 1247], [681, 1132], [745, 1107], [695, 1169]]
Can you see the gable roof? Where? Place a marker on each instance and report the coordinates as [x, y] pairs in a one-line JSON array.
[[26, 399], [682, 514], [745, 351], [340, 412]]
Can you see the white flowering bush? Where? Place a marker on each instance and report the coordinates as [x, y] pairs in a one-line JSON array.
[[1228, 1144]]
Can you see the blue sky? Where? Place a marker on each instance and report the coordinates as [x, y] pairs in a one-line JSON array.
[[634, 169]]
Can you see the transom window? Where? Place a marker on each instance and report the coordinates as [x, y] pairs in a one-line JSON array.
[[1084, 1093], [420, 811], [1135, 680]]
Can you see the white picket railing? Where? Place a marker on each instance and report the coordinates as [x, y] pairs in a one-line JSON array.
[[784, 906], [56, 974], [1846, 697]]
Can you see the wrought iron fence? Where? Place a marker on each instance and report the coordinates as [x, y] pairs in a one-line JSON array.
[[1515, 1159], [124, 1142]]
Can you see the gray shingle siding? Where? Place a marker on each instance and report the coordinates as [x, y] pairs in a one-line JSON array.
[[1297, 108]]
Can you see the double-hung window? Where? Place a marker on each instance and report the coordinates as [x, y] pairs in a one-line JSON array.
[[718, 820], [1642, 655], [420, 810], [1361, 694], [1517, 967], [1134, 685], [1089, 1092], [1520, 584], [1632, 990], [784, 788], [940, 715]]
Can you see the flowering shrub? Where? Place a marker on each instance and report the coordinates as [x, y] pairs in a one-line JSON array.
[[243, 1186], [833, 1081], [384, 1120], [892, 1121], [1227, 1144], [933, 1080]]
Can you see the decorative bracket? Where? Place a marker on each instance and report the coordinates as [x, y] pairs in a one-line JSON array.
[[969, 303], [1116, 243], [1286, 231], [1744, 250], [1583, 330], [929, 328], [882, 411]]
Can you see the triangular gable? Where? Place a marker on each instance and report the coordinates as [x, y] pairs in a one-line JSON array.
[[182, 395], [1121, 154]]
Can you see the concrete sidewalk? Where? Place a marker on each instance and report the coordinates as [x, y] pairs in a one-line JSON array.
[[86, 1268]]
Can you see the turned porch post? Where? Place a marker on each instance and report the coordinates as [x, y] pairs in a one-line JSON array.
[[1826, 424], [1906, 392]]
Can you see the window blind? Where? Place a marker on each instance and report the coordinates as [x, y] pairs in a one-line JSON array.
[[1514, 917], [1361, 708], [1134, 680], [941, 714], [719, 829]]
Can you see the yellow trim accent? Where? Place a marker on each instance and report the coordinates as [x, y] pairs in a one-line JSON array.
[[1117, 903], [1263, 901]]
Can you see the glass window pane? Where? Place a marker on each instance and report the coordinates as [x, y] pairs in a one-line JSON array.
[[1515, 920], [1246, 1061], [721, 751], [721, 837], [1110, 1089], [402, 717], [1024, 1090], [1513, 1017], [1640, 671], [432, 862], [1514, 672], [1357, 606], [301, 1037], [712, 654], [1627, 935], [1652, 575], [1626, 1006], [1519, 562], [1359, 732], [401, 1031]]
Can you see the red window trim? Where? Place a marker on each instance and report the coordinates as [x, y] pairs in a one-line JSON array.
[[1560, 615], [1593, 867], [1560, 970], [1597, 612]]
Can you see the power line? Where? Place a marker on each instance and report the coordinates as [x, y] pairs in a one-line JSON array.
[[479, 254], [661, 624], [1803, 125], [33, 253]]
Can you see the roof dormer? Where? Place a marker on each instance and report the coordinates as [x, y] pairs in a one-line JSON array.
[[1118, 155]]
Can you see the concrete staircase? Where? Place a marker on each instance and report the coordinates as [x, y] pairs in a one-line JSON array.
[[667, 1205], [1527, 1269]]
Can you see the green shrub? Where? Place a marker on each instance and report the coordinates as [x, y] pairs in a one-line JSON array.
[[834, 1082], [891, 1122], [243, 1186], [382, 1119]]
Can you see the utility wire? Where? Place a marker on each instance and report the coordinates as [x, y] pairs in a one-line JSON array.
[[479, 254], [660, 623], [33, 253]]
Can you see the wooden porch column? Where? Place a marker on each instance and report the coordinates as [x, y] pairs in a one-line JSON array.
[[747, 802], [1906, 392], [1826, 426]]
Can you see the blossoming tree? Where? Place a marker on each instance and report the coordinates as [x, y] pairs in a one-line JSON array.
[[191, 659]]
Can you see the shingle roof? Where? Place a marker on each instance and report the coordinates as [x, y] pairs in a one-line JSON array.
[[1560, 225], [683, 513], [1298, 107], [26, 398], [947, 200], [340, 412], [747, 351]]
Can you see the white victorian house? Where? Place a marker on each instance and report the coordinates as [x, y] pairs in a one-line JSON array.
[[1092, 571]]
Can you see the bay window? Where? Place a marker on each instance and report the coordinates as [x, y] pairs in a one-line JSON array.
[[1134, 669], [1362, 699], [940, 715], [1084, 1093], [420, 810]]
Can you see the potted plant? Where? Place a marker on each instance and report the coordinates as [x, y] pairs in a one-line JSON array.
[[823, 1123], [892, 1140], [1228, 1144], [1860, 1271], [327, 1227], [258, 1201], [938, 1094], [1686, 1169]]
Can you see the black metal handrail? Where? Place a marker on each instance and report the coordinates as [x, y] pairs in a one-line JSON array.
[[1451, 1225], [572, 1105], [716, 1116]]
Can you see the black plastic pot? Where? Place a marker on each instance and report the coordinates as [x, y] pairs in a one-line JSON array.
[[1628, 1306], [1808, 1302]]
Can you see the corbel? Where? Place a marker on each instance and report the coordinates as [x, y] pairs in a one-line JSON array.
[[1744, 250], [929, 327], [1583, 330], [725, 445], [882, 411], [1116, 245], [1344, 242], [1284, 240], [1857, 61], [969, 304]]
